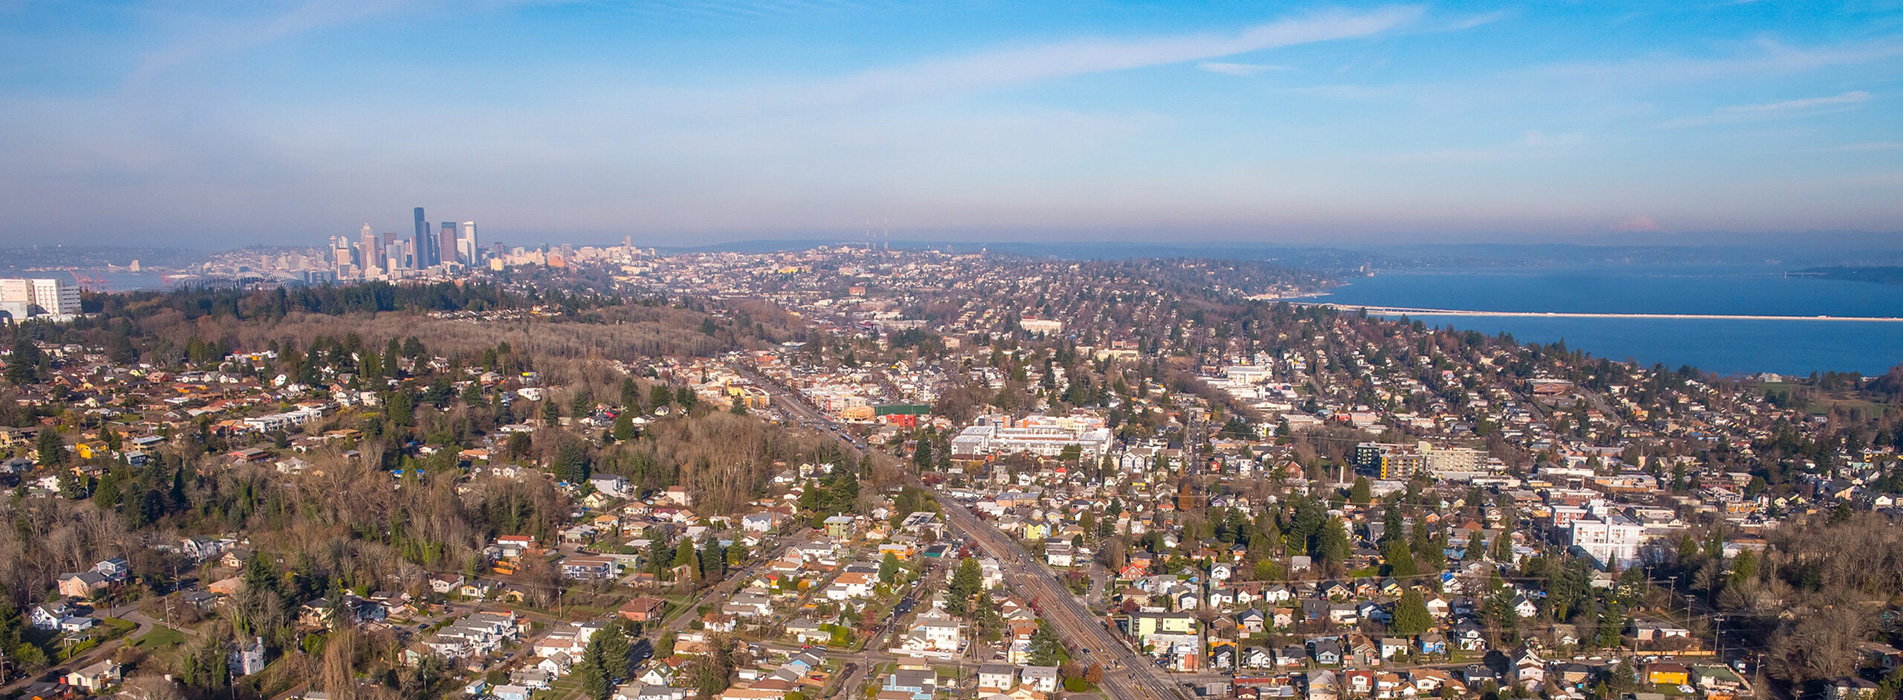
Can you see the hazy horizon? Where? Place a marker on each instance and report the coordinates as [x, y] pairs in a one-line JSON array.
[[213, 125]]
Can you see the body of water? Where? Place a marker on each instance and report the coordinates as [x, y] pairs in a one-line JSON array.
[[1725, 346]]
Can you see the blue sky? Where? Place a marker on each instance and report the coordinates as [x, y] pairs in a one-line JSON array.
[[210, 123]]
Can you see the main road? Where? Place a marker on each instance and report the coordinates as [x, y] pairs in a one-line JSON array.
[[1127, 674]]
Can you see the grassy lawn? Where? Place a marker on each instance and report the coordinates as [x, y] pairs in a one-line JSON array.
[[159, 639], [118, 628], [566, 686]]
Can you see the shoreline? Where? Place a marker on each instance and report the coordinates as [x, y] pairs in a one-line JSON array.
[[1374, 310]]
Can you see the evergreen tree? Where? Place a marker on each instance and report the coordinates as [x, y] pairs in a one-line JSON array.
[[593, 683], [888, 568], [713, 562], [609, 654], [1399, 559], [685, 555], [736, 554], [1305, 525], [23, 366], [1410, 615], [1611, 627], [630, 394], [1501, 616], [1420, 540], [659, 554], [390, 355], [1333, 545], [923, 455], [49, 448], [1744, 568], [1392, 524], [1046, 650], [1503, 547], [1359, 494], [965, 583]]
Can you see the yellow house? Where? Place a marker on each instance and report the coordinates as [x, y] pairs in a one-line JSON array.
[[1143, 625], [1667, 673], [89, 450]]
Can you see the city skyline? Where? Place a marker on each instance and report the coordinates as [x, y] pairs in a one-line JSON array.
[[680, 124]]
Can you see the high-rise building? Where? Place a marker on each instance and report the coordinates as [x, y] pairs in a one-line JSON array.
[[419, 244], [446, 243], [396, 257], [342, 257], [370, 253], [466, 246], [53, 296]]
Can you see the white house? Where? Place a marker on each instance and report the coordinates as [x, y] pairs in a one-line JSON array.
[[248, 658]]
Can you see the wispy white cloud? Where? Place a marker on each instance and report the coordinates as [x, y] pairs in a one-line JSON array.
[[1469, 22], [1240, 70], [1870, 146], [1531, 144], [1782, 109], [206, 37], [1771, 58], [1072, 58], [1539, 139], [1806, 104]]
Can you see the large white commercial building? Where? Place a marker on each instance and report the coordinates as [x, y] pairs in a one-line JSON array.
[[1042, 436], [1402, 461], [18, 296], [1610, 538]]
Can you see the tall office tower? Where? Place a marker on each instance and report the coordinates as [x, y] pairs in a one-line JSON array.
[[466, 246], [340, 254], [370, 252], [52, 295], [420, 242], [446, 243]]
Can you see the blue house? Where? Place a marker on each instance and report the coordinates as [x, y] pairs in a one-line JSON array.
[[920, 684]]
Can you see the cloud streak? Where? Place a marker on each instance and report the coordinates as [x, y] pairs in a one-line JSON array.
[[219, 38], [1073, 58], [1783, 109], [1240, 70]]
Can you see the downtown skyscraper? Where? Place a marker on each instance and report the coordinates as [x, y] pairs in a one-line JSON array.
[[421, 244], [424, 252]]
